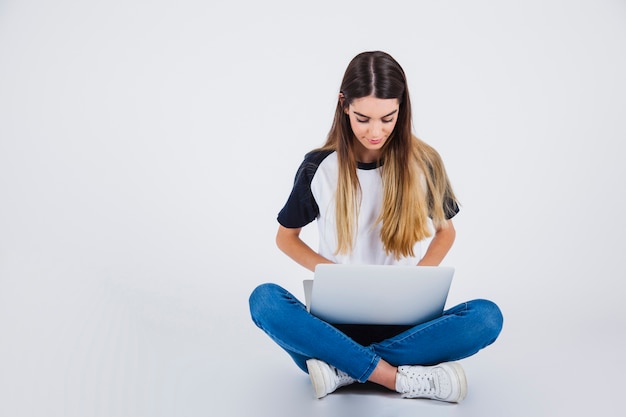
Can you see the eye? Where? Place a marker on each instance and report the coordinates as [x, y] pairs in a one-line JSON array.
[[388, 120], [362, 120]]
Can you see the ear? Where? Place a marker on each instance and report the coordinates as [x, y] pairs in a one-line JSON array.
[[342, 101]]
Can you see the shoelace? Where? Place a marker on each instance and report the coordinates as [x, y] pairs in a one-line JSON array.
[[421, 384], [342, 377]]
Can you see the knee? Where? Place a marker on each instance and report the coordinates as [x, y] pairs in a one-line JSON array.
[[262, 299], [491, 319]]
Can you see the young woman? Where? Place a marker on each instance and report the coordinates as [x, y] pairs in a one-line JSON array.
[[375, 191]]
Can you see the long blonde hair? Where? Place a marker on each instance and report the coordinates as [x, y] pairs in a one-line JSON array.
[[415, 184]]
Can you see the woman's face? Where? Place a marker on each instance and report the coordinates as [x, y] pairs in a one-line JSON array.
[[372, 120]]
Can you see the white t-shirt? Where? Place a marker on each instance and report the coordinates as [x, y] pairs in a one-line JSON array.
[[313, 198]]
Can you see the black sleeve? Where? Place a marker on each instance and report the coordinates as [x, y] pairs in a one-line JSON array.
[[301, 208], [450, 207]]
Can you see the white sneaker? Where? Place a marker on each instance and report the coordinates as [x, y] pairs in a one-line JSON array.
[[326, 378], [443, 382]]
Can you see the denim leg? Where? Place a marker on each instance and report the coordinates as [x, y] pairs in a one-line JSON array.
[[460, 332], [286, 320]]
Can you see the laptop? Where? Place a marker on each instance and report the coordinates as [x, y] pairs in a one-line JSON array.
[[377, 294]]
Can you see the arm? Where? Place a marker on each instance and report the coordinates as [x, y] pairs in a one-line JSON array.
[[288, 241], [439, 246]]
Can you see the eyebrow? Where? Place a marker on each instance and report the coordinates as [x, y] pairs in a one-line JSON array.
[[368, 117]]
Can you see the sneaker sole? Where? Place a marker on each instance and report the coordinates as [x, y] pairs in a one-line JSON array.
[[316, 374], [457, 369]]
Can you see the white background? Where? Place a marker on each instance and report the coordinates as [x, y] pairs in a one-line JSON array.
[[147, 146]]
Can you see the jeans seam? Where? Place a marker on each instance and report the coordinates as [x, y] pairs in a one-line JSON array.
[[374, 362]]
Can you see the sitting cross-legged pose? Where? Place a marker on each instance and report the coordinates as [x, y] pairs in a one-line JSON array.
[[376, 191]]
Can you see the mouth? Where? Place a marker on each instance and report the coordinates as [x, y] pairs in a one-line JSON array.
[[374, 141]]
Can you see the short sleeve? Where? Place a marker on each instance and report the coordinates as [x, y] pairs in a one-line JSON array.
[[301, 207], [450, 207]]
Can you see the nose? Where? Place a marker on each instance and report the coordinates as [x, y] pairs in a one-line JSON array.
[[376, 130]]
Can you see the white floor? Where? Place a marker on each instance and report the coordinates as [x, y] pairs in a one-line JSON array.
[[105, 348]]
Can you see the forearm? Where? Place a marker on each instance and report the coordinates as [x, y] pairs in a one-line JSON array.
[[304, 255], [290, 243], [439, 246]]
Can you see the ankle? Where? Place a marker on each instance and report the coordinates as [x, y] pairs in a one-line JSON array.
[[384, 374]]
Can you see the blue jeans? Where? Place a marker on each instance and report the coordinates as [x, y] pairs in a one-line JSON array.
[[460, 332]]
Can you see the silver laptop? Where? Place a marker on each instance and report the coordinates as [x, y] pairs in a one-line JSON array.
[[377, 294]]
